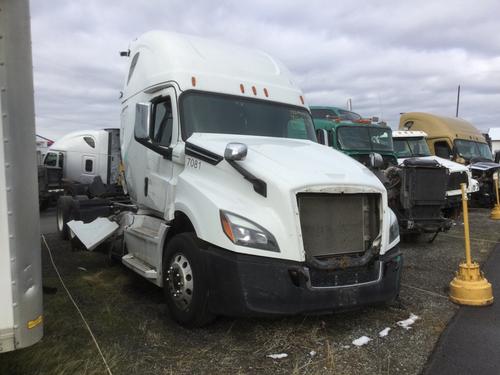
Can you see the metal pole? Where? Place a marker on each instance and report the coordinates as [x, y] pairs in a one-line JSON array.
[[496, 187], [458, 100], [466, 225]]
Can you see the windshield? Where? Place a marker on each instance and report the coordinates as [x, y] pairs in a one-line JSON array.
[[224, 114], [364, 138], [470, 149], [348, 115], [410, 147], [342, 114]]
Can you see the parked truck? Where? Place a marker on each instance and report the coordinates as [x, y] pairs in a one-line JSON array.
[[234, 209], [416, 188], [84, 163], [21, 309], [412, 144], [458, 140]]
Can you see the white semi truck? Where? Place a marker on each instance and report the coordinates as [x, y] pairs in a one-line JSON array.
[[85, 154], [21, 310], [75, 163], [236, 209]]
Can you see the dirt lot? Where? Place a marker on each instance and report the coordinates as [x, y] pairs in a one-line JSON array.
[[129, 319]]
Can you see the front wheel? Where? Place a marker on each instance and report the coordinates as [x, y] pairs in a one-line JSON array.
[[185, 282]]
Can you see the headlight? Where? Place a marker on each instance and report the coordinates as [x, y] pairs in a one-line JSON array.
[[394, 228], [243, 232]]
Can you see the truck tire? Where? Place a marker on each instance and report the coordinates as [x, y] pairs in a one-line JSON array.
[[185, 282], [64, 214]]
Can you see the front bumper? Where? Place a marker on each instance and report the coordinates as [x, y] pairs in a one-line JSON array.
[[243, 285]]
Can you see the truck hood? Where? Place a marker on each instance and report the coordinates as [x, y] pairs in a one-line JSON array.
[[451, 165], [298, 164], [484, 165]]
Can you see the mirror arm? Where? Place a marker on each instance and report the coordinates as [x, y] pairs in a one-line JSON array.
[[259, 185]]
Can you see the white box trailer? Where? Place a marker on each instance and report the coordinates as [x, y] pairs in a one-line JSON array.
[[21, 319], [237, 210]]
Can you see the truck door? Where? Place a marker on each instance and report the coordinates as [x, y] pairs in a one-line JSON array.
[[54, 165], [159, 151]]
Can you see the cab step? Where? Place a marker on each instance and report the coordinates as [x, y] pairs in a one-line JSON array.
[[142, 268]]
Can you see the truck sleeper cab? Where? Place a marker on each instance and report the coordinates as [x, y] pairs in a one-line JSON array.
[[416, 188], [458, 140], [73, 163], [237, 212]]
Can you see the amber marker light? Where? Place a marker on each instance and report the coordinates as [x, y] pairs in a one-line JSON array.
[[302, 99], [242, 88], [266, 93], [254, 90], [226, 226], [193, 81]]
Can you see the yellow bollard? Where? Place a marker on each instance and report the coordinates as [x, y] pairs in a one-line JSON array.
[[469, 287], [495, 212]]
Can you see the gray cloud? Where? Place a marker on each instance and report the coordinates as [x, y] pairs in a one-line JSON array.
[[388, 56]]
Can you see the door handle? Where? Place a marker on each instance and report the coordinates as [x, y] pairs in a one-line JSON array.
[[146, 181]]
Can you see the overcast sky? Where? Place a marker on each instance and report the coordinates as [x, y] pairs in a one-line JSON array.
[[388, 56]]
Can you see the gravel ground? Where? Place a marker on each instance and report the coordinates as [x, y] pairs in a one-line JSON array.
[[130, 321]]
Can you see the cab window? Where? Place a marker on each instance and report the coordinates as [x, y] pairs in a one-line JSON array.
[[161, 130], [51, 159], [442, 149]]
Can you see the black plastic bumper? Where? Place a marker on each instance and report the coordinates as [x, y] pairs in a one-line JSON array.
[[243, 285]]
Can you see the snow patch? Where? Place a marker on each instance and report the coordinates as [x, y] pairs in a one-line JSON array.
[[363, 340], [384, 332], [407, 323], [277, 356], [312, 353]]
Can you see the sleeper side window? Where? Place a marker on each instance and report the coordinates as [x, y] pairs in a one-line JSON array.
[[162, 122], [132, 66], [89, 165], [90, 141]]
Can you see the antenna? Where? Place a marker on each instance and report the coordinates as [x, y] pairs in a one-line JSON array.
[[349, 104], [458, 100]]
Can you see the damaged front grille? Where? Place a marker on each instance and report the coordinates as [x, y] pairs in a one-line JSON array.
[[455, 179], [335, 224], [423, 183]]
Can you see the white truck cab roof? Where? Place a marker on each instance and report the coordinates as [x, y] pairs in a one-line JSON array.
[[159, 58], [451, 165]]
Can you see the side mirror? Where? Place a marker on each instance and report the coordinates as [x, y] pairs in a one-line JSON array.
[[322, 137], [142, 121], [235, 151], [376, 161]]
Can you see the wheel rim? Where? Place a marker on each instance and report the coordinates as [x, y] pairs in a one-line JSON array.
[[179, 279], [60, 220]]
